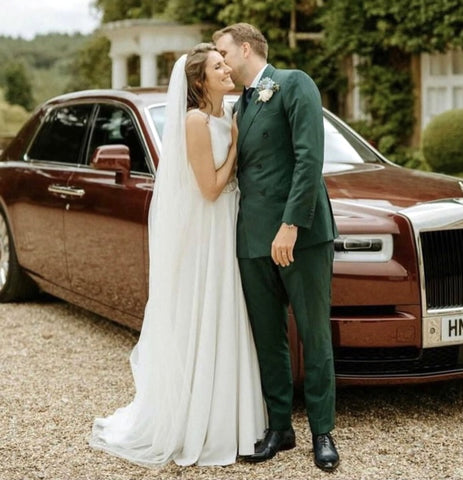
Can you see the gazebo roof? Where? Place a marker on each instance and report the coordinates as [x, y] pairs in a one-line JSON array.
[[151, 34]]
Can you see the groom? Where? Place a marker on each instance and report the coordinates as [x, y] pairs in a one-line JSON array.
[[285, 237]]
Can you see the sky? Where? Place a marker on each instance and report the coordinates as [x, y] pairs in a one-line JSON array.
[[27, 18]]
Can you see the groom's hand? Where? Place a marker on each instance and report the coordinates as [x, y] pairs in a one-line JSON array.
[[283, 245]]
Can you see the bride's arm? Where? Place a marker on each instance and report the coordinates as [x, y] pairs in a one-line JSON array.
[[199, 152]]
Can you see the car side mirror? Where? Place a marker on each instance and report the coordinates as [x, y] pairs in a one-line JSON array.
[[114, 158]]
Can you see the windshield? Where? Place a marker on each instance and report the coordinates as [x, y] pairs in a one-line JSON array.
[[343, 148]]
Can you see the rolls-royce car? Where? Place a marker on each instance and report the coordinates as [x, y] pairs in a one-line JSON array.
[[75, 189]]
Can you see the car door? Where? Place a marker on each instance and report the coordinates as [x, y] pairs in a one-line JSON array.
[[55, 152], [106, 228]]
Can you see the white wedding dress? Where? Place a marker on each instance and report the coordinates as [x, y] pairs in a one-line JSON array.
[[198, 396]]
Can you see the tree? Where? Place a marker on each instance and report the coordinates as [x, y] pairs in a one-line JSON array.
[[384, 35], [114, 10], [12, 117], [413, 26], [92, 66], [18, 86], [46, 60]]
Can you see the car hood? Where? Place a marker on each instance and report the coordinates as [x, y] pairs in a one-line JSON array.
[[387, 186]]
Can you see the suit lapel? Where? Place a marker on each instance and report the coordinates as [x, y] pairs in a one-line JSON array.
[[246, 118]]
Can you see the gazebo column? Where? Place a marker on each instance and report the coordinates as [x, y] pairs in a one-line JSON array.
[[148, 39], [148, 69], [119, 71]]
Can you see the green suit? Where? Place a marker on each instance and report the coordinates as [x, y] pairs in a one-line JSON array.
[[280, 159]]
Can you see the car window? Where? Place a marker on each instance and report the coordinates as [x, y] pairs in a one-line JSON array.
[[114, 125], [62, 134], [342, 147]]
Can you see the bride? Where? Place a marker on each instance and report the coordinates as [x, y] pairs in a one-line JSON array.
[[198, 398]]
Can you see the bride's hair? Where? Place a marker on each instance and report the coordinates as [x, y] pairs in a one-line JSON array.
[[195, 69]]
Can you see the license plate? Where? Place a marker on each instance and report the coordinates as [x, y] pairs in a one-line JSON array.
[[452, 328]]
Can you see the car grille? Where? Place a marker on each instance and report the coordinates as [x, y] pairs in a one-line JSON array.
[[443, 268], [400, 360]]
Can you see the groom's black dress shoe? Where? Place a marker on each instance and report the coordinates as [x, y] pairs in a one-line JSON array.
[[273, 442], [326, 456]]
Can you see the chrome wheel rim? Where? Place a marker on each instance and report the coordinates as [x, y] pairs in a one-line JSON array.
[[4, 253]]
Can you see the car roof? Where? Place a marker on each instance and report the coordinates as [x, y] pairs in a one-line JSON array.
[[140, 96], [143, 97]]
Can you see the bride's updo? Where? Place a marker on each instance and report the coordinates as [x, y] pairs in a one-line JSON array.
[[195, 69]]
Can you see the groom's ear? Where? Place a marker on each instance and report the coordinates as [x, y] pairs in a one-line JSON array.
[[246, 49]]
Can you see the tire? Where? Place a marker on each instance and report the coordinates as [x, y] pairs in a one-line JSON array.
[[15, 285]]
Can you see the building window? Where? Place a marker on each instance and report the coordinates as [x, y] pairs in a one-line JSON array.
[[442, 83], [359, 110]]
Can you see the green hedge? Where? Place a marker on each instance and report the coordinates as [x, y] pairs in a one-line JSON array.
[[442, 142]]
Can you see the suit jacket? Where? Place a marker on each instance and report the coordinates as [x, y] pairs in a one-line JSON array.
[[280, 160]]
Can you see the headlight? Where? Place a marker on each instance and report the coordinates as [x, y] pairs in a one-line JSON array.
[[363, 248]]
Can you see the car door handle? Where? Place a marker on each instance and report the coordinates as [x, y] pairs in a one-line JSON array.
[[64, 191]]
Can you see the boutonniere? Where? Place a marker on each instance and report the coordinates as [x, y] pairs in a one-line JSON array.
[[266, 88]]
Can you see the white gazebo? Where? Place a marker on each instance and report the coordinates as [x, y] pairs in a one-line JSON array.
[[148, 39]]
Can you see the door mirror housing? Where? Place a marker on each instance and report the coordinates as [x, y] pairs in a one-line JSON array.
[[115, 158]]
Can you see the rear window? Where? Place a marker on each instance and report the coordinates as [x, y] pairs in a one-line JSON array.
[[62, 135]]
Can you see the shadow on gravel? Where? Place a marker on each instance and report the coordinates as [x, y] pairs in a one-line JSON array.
[[432, 399], [427, 399]]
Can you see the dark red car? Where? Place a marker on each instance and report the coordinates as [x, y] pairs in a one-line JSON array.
[[75, 188]]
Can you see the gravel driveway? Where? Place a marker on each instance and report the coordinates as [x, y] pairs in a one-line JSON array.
[[62, 366]]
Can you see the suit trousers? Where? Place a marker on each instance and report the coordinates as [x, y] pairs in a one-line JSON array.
[[306, 285]]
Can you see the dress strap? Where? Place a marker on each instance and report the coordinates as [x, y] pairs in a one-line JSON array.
[[197, 110]]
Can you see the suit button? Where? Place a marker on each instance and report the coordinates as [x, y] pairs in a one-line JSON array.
[[265, 134]]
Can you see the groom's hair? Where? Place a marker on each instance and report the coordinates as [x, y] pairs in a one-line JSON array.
[[244, 32]]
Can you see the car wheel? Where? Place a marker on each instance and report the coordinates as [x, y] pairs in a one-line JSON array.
[[14, 283]]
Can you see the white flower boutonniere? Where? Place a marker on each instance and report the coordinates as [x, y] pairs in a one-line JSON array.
[[266, 88]]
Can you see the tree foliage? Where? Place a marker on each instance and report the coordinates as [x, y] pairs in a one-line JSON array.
[[12, 117], [413, 26], [114, 10], [18, 87], [46, 58], [92, 66]]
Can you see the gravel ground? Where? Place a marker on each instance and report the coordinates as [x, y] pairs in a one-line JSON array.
[[62, 366]]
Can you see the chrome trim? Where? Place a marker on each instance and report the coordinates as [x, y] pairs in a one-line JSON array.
[[64, 191], [439, 215], [353, 255], [445, 311], [4, 252]]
